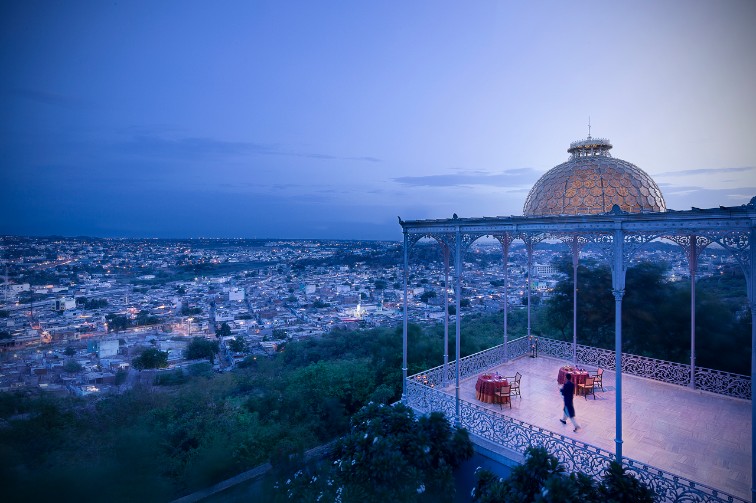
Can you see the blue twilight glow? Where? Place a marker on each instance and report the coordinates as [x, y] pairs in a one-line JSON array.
[[305, 119]]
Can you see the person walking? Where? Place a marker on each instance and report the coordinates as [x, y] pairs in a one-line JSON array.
[[568, 393]]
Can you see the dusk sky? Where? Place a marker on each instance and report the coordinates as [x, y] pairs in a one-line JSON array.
[[324, 119]]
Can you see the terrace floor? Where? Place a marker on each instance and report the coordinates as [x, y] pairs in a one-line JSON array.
[[698, 435]]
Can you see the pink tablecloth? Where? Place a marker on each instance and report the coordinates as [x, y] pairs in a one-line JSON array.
[[578, 376], [487, 386]]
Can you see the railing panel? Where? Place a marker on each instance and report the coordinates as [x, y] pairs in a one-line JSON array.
[[714, 381], [518, 347], [557, 349], [723, 383]]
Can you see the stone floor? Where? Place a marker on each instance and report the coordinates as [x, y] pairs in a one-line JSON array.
[[694, 434]]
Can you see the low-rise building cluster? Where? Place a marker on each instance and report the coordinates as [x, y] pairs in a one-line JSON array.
[[76, 312]]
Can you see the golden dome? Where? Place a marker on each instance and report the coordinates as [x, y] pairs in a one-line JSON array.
[[592, 182]]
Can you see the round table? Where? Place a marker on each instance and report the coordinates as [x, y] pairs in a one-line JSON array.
[[578, 375], [487, 386]]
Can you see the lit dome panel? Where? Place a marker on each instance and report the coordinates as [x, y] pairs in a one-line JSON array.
[[591, 182]]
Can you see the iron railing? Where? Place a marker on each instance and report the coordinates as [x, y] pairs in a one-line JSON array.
[[517, 435], [713, 381]]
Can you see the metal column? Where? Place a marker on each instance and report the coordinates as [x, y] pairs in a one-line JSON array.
[[751, 287], [404, 324], [445, 249], [618, 289], [529, 247], [458, 273], [575, 260], [693, 265], [505, 242]]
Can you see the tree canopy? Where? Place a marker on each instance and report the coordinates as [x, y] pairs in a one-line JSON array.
[[223, 331], [542, 479], [237, 344], [200, 348], [151, 358], [655, 315], [388, 455]]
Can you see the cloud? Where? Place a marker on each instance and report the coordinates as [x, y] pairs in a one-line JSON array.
[[685, 197], [510, 178], [48, 98], [202, 148], [152, 146], [707, 171]]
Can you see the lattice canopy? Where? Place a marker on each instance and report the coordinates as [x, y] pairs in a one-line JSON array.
[[591, 182]]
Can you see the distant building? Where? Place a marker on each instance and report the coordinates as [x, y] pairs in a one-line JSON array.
[[103, 348], [16, 289], [64, 303], [236, 294], [543, 271]]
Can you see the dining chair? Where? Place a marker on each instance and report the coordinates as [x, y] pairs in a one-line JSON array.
[[586, 388], [502, 393], [598, 378], [515, 383]]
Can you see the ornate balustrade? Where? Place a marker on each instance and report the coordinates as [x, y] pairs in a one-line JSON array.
[[574, 455], [714, 381]]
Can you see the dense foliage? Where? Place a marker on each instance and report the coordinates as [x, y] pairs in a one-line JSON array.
[[200, 348], [656, 315], [154, 443], [151, 358], [388, 455], [542, 479]]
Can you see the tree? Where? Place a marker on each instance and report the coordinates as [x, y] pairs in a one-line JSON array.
[[319, 303], [389, 455], [91, 303], [145, 318], [237, 344], [541, 478], [72, 366], [190, 311], [69, 351], [120, 376], [617, 485], [116, 322], [223, 331], [201, 348], [151, 358], [655, 315], [427, 295]]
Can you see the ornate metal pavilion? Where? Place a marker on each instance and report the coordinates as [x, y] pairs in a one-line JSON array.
[[598, 201]]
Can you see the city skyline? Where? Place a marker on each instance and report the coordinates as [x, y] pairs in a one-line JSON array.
[[305, 121]]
